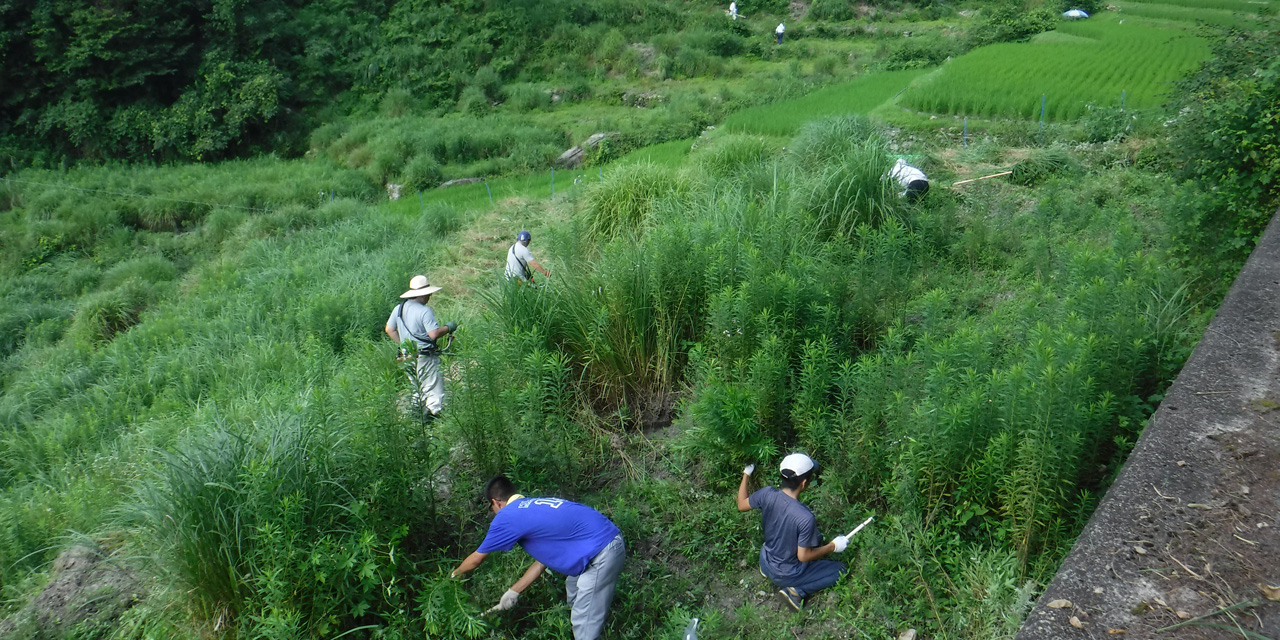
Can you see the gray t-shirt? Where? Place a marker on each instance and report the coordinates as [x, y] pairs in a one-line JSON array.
[[416, 322], [787, 524]]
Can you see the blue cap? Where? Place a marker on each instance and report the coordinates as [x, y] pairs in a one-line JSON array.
[[524, 236]]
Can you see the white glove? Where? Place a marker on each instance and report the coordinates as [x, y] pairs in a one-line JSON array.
[[749, 469], [508, 600], [842, 543]]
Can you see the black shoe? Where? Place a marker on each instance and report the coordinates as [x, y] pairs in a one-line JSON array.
[[792, 597]]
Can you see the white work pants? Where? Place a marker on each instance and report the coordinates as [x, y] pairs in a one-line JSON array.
[[430, 383]]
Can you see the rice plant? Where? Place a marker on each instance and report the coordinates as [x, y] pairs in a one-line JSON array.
[[1009, 80]]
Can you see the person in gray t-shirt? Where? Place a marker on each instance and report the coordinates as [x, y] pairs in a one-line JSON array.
[[413, 321], [792, 550]]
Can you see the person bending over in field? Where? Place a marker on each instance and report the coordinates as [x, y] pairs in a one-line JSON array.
[[413, 321], [519, 259], [568, 537], [912, 180], [792, 552]]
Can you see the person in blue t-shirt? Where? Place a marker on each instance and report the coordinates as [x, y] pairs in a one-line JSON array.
[[792, 550], [565, 536]]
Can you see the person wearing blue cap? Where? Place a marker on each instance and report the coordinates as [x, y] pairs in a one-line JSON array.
[[792, 553], [519, 259]]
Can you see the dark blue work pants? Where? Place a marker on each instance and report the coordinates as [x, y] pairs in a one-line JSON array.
[[817, 575]]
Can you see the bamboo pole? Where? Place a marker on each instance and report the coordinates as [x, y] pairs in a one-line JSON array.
[[994, 175]]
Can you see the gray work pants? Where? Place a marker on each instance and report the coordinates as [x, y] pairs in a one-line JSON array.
[[591, 592], [430, 381]]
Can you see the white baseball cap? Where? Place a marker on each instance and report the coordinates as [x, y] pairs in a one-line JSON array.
[[797, 464]]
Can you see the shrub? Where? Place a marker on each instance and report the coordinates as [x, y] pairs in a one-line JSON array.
[[835, 10], [829, 139], [624, 200], [1226, 137], [913, 53], [826, 65], [100, 316], [422, 172], [1011, 22], [724, 431], [489, 83], [149, 269], [473, 101], [731, 154], [1106, 124], [528, 97]]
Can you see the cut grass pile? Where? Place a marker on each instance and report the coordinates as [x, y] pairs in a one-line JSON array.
[[858, 96], [1008, 80]]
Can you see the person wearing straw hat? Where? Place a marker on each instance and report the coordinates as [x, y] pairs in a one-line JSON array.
[[413, 321], [519, 259], [792, 553]]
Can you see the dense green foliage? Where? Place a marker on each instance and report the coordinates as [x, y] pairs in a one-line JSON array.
[[192, 368], [1227, 138], [202, 79]]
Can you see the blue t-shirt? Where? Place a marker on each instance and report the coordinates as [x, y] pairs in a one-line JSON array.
[[787, 524], [417, 321], [561, 534]]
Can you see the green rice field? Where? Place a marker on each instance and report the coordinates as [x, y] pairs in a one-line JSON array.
[[785, 118], [1255, 7], [1097, 60], [1189, 14]]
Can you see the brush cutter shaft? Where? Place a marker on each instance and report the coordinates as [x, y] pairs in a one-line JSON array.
[[859, 527]]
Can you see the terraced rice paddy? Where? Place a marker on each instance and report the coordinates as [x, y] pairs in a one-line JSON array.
[[785, 118], [1082, 63], [1189, 14]]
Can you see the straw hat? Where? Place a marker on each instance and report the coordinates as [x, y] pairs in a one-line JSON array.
[[419, 286]]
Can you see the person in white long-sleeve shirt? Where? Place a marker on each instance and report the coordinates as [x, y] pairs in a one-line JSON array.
[[912, 180], [779, 30], [733, 10]]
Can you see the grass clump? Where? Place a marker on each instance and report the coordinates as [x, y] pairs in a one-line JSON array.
[[731, 154], [623, 202], [1040, 165]]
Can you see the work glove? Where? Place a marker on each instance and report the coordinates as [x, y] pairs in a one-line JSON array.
[[842, 543], [508, 600], [452, 326], [749, 469]]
